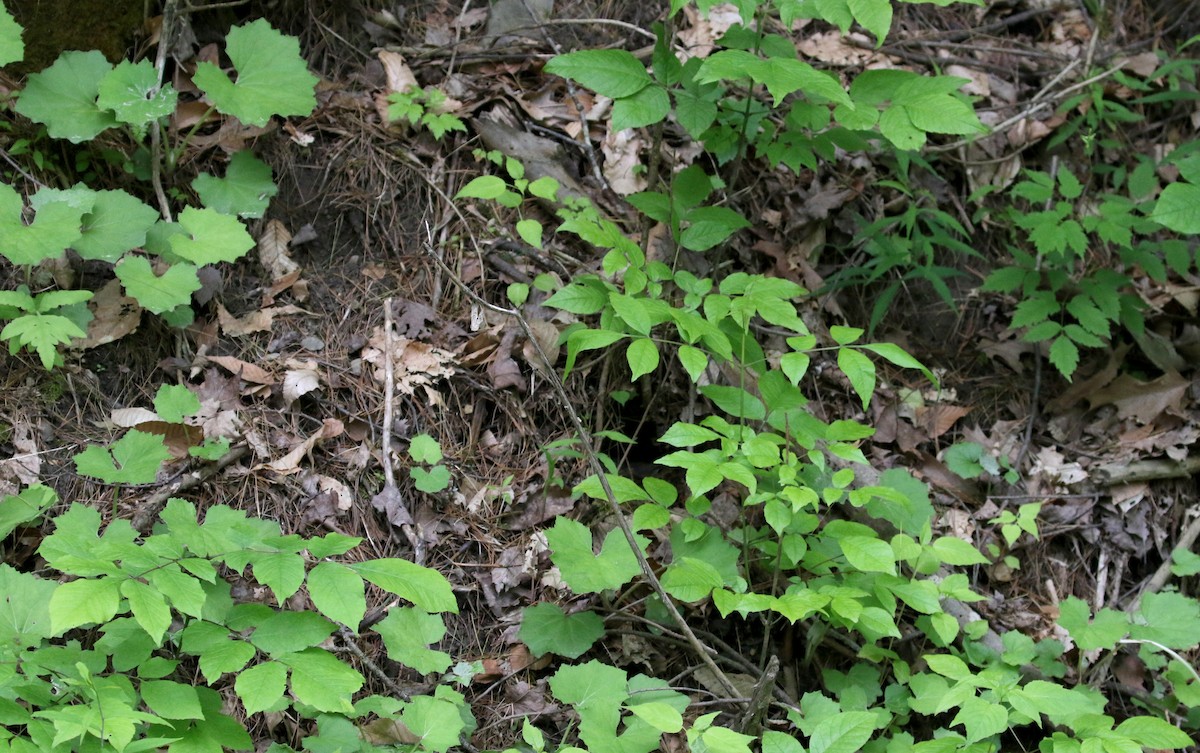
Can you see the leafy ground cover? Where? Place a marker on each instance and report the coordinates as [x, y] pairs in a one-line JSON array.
[[779, 376]]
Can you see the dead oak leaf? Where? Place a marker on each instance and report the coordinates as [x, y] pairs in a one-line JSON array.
[[1143, 401]]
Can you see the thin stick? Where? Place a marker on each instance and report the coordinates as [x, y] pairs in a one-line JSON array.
[[143, 519], [704, 652]]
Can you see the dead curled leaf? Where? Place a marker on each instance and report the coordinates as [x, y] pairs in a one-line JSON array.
[[1140, 400], [290, 463]]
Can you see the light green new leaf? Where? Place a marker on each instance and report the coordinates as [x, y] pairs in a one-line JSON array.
[[898, 356], [262, 686], [580, 297], [246, 189], [691, 579], [954, 551], [322, 681], [1152, 732], [860, 371], [426, 588], [154, 293], [1178, 208], [210, 237], [708, 226], [874, 15], [868, 554], [408, 633], [84, 602], [149, 608], [56, 226], [174, 402], [545, 629], [1168, 618], [131, 91], [117, 223], [646, 107], [846, 732], [282, 572], [63, 97], [338, 593], [272, 78], [981, 718], [171, 700], [12, 49], [612, 73], [659, 715], [483, 187], [943, 113], [423, 448], [135, 459], [530, 232], [42, 333], [432, 480], [642, 356], [24, 507], [184, 591]]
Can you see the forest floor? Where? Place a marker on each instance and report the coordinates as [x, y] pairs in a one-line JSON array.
[[283, 363]]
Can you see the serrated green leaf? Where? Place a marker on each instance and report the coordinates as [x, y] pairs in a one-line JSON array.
[[581, 298], [262, 686], [55, 227], [659, 715], [154, 293], [846, 732], [709, 226], [431, 480], [28, 505], [322, 681], [612, 73], [408, 634], [171, 700], [86, 601], [954, 551], [25, 609], [860, 371], [1064, 355], [873, 15], [545, 628], [134, 459], [426, 588], [981, 718], [183, 590], [43, 334], [174, 402], [437, 723], [282, 572], [695, 114], [647, 107], [289, 632], [63, 97], [272, 78], [338, 592], [943, 113], [245, 191], [1178, 208], [1151, 732], [571, 550], [149, 608], [210, 237], [132, 92], [117, 223], [868, 554], [690, 579], [1168, 618]]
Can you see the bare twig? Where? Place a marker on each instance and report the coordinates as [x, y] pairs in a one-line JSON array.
[[148, 511], [160, 66]]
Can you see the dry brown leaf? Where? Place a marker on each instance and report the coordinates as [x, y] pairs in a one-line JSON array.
[[937, 418], [400, 77], [622, 158], [178, 438], [1143, 401], [25, 465], [273, 251], [290, 463], [247, 371], [114, 316], [416, 364], [298, 382]]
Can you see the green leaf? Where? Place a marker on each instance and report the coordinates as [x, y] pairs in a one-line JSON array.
[[1186, 563], [174, 402], [282, 572], [691, 579], [482, 187], [149, 608], [426, 588], [695, 114], [332, 544], [288, 632], [117, 223], [131, 91], [874, 15], [943, 113], [954, 551], [1064, 354], [183, 590], [338, 592], [63, 97], [432, 480], [25, 609], [246, 189], [860, 371], [210, 237], [262, 686], [1178, 208], [135, 459], [218, 654], [612, 73], [735, 401], [12, 49], [897, 355], [24, 507], [846, 732], [171, 700], [1151, 732], [658, 715], [43, 334], [693, 360], [530, 232], [437, 723], [981, 718], [868, 554], [322, 681], [154, 293], [1109, 626], [546, 629], [425, 449], [571, 551], [407, 633], [1169, 619], [709, 226], [580, 297], [647, 107], [55, 227], [272, 78], [642, 356], [84, 602]]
